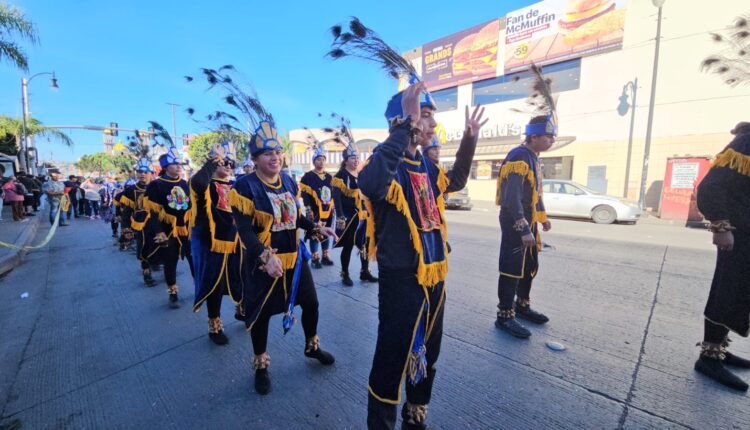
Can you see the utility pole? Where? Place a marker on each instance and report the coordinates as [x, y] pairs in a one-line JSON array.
[[649, 125], [174, 122]]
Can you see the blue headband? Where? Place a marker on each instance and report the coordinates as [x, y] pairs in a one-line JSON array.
[[144, 165], [319, 152], [548, 128]]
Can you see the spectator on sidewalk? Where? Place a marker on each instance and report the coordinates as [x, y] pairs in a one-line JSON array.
[[72, 185], [14, 193], [91, 190], [55, 191], [82, 203], [33, 189]]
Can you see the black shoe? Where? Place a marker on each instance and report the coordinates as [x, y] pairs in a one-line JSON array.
[[735, 361], [262, 382], [316, 264], [157, 267], [219, 338], [30, 214], [326, 261], [148, 280], [714, 369], [531, 315], [347, 280], [174, 301], [325, 358], [407, 425], [513, 327], [367, 276]]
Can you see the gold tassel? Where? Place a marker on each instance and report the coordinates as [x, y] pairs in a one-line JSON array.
[[734, 160], [323, 214], [370, 231], [288, 260], [218, 246], [427, 274], [443, 181], [441, 209], [541, 216]]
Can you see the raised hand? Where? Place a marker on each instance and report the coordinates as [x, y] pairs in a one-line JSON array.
[[475, 123], [410, 101]]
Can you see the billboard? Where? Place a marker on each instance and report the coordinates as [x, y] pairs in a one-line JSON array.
[[467, 56], [552, 31]]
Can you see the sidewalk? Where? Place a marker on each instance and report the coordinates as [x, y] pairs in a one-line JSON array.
[[18, 233]]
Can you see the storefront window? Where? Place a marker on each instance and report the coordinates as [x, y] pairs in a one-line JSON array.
[[557, 167], [446, 99], [565, 76]]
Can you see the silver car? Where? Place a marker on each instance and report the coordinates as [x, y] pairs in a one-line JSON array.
[[570, 199]]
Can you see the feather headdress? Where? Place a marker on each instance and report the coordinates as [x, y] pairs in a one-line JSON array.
[[732, 63], [316, 145], [245, 110], [362, 42], [541, 102], [343, 135]]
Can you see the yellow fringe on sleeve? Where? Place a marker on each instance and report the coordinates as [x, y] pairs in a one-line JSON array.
[[127, 202], [370, 230], [348, 192], [522, 169], [260, 218], [138, 226], [427, 274], [443, 181], [734, 160]]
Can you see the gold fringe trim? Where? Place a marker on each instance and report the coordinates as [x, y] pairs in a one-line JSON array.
[[127, 202], [541, 216], [260, 218], [218, 246], [138, 226], [304, 188], [734, 160], [370, 230], [427, 274], [441, 208], [522, 169], [288, 260], [349, 192], [443, 181]]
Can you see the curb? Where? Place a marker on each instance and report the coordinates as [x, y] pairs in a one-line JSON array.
[[15, 257]]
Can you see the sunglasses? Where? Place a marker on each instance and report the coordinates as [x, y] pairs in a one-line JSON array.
[[227, 163]]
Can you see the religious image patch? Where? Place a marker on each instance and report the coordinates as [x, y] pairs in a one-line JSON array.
[[222, 190], [325, 195], [284, 211], [177, 199], [424, 200]]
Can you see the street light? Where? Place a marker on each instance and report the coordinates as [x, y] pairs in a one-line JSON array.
[[26, 145], [622, 109], [650, 123]]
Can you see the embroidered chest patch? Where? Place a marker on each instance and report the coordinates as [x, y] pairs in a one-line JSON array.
[[284, 211], [325, 195], [177, 199], [424, 200], [222, 190]]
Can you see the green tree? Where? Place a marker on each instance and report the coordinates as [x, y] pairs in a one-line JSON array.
[[201, 145], [99, 163], [13, 24], [11, 130]]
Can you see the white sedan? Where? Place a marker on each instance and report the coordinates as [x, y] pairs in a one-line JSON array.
[[570, 199]]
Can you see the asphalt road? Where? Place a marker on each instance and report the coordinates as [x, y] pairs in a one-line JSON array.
[[92, 348]]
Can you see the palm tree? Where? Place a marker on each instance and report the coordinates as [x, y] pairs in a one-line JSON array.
[[11, 133], [14, 23]]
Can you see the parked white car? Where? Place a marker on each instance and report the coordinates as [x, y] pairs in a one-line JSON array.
[[570, 199]]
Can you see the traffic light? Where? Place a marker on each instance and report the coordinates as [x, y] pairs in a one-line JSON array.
[[114, 128]]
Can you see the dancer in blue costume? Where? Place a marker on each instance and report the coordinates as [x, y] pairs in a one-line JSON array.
[[215, 242]]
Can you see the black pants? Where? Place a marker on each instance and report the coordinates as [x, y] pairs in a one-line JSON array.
[[401, 301], [115, 227], [139, 238], [170, 256], [82, 207], [213, 303], [307, 298], [346, 251], [508, 289], [714, 333]]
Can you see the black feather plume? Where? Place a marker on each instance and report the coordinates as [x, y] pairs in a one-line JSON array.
[[336, 31], [731, 61], [189, 78], [364, 43]]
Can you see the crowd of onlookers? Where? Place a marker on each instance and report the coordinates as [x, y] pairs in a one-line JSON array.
[[27, 194], [22, 192]]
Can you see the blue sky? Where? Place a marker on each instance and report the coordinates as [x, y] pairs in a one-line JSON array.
[[123, 61]]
